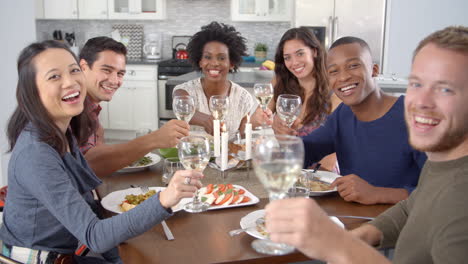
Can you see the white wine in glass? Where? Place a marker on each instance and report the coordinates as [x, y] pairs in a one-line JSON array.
[[194, 154], [263, 93], [277, 161], [219, 105], [288, 107], [184, 107]]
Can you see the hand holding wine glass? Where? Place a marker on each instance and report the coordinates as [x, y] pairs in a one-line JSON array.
[[277, 161], [184, 107], [288, 107], [194, 154]]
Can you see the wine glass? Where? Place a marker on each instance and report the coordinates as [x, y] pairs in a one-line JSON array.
[[219, 105], [184, 107], [194, 154], [288, 107], [263, 93], [277, 162]]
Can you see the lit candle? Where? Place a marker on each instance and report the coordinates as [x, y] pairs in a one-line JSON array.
[[248, 139], [217, 145], [224, 148]]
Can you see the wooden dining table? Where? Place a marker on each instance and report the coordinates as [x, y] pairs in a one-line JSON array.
[[203, 237]]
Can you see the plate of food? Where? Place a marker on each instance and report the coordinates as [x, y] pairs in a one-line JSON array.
[[257, 228], [320, 181], [127, 199], [221, 196], [148, 160]]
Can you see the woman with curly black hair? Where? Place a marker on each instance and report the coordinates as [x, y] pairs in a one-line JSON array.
[[217, 50]]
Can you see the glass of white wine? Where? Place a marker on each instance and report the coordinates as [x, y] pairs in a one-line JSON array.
[[194, 154], [263, 93], [277, 162], [219, 105], [183, 107], [288, 107]]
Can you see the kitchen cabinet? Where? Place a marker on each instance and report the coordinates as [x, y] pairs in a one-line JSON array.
[[261, 10], [360, 18], [134, 105], [92, 9], [60, 9], [137, 9], [39, 4]]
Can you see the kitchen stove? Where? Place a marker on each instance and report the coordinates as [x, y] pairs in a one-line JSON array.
[[166, 69]]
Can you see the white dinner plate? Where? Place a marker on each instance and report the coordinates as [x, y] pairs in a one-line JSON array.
[[113, 200], [253, 200], [325, 176], [154, 157], [250, 219]]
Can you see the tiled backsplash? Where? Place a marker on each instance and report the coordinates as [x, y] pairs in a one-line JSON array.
[[184, 17]]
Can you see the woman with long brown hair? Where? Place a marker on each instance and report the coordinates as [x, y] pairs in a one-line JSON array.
[[300, 70]]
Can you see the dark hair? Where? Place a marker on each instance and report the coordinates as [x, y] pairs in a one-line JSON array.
[[318, 105], [94, 46], [350, 40], [453, 38], [30, 107], [217, 32]]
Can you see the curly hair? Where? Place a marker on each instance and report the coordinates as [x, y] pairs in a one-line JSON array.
[[219, 32], [319, 104]]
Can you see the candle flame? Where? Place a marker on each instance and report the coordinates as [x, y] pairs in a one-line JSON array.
[[224, 128]]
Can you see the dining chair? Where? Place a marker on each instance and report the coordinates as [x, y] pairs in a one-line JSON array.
[[6, 260]]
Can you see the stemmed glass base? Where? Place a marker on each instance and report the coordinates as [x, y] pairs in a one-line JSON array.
[[268, 247], [196, 207]]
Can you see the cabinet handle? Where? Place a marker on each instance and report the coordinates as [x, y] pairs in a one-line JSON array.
[[132, 72], [330, 31], [335, 31]]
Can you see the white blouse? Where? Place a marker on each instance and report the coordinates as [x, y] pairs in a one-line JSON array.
[[241, 102]]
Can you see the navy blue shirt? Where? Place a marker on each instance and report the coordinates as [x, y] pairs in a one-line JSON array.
[[377, 151]]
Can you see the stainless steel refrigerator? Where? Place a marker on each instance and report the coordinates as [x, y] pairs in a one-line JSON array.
[[360, 18]]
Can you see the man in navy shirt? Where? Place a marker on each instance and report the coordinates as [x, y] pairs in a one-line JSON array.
[[367, 131]]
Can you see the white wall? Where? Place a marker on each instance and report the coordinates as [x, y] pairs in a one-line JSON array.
[[408, 22], [17, 29]]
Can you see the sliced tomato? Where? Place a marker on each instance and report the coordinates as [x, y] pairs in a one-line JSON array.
[[216, 195], [209, 188], [221, 187], [246, 199], [236, 197], [229, 186], [226, 198], [241, 191]]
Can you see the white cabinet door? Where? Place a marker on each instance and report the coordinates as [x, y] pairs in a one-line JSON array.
[[261, 10], [39, 9], [60, 9], [319, 13], [145, 113], [104, 114], [137, 9], [366, 22], [92, 9], [120, 109]]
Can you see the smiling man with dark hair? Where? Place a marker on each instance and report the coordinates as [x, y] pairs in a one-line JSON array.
[[367, 131]]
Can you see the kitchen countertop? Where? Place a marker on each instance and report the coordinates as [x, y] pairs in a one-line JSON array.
[[244, 79]]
